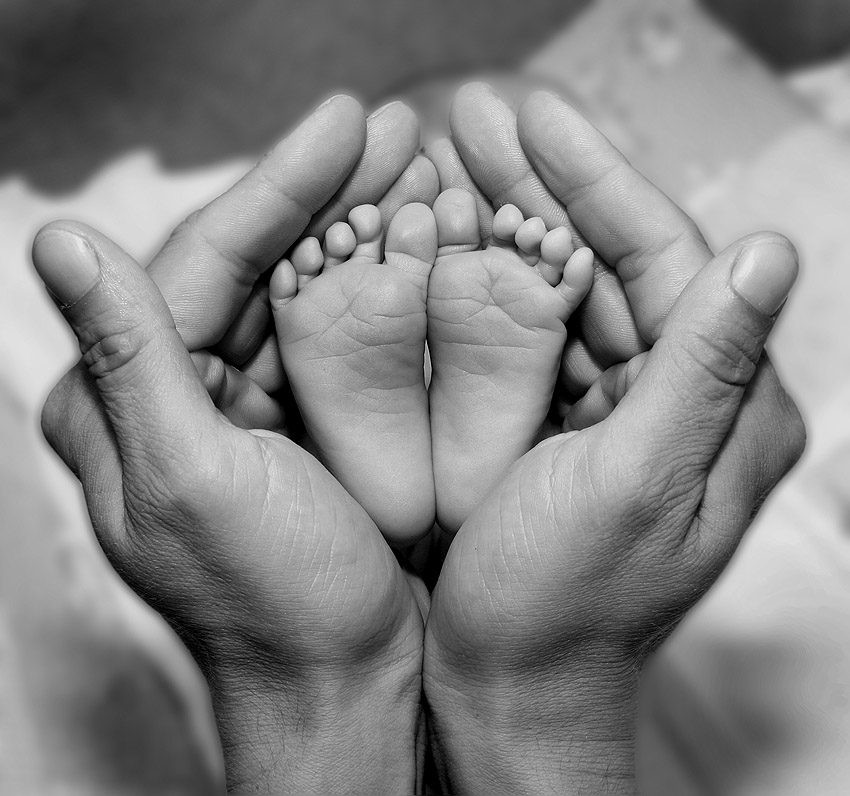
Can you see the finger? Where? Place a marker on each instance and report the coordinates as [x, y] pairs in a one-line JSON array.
[[392, 138], [579, 370], [767, 438], [249, 328], [693, 381], [655, 248], [604, 394], [76, 427], [453, 174], [155, 403], [264, 368], [208, 267], [243, 402], [418, 183], [484, 130], [485, 133]]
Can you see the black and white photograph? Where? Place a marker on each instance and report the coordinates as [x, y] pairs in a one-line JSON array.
[[425, 397]]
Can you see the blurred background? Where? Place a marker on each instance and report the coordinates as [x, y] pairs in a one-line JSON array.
[[130, 115]]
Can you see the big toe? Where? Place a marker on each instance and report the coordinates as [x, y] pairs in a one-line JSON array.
[[458, 226], [412, 240]]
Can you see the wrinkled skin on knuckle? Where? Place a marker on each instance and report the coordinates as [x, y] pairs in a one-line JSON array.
[[726, 364], [107, 357]]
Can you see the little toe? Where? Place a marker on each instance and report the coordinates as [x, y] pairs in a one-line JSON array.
[[456, 216], [283, 285], [577, 279], [528, 238], [412, 240], [366, 222], [307, 258], [340, 242], [506, 222], [555, 249]]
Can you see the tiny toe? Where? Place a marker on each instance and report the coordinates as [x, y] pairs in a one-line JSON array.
[[340, 242], [555, 249], [283, 285], [412, 240], [577, 280], [506, 222], [456, 216], [365, 221], [528, 238], [307, 259]]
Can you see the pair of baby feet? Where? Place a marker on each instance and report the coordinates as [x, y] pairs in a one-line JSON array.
[[353, 315]]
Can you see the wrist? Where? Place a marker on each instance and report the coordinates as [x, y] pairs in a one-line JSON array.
[[537, 733], [331, 732]]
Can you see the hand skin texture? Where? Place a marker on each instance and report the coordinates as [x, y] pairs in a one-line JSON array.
[[599, 540], [306, 627], [553, 591]]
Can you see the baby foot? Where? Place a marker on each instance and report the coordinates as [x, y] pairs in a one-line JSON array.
[[351, 327], [496, 331]]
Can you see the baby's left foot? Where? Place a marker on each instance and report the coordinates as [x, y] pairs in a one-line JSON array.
[[496, 331], [351, 326]]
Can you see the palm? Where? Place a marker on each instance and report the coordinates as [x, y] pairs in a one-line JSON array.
[[299, 559], [517, 577]]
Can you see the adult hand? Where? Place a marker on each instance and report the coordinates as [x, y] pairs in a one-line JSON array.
[[599, 540], [177, 495], [488, 150], [276, 579]]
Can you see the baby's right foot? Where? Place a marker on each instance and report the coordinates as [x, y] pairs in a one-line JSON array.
[[351, 327], [496, 331]]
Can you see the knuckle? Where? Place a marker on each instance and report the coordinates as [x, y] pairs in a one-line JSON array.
[[193, 234], [109, 355], [724, 362]]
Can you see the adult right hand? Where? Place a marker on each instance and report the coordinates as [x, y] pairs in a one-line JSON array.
[[599, 540]]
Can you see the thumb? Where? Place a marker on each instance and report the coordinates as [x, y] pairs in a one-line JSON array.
[[149, 387], [688, 393]]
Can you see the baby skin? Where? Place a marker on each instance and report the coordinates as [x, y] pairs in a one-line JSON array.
[[351, 325], [352, 314], [496, 330]]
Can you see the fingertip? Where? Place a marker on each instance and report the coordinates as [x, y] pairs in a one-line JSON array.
[[211, 371], [344, 111], [540, 100], [66, 263], [764, 271], [468, 100], [394, 118]]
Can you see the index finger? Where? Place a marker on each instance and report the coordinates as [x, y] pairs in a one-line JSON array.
[[392, 138], [207, 268], [654, 246], [484, 130]]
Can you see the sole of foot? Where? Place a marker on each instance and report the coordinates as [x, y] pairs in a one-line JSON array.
[[350, 315], [496, 331]]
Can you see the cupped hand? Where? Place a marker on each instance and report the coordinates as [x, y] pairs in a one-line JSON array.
[[600, 539], [308, 630]]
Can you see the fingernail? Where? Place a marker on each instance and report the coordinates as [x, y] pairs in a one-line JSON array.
[[334, 98], [764, 273], [384, 108], [67, 265]]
